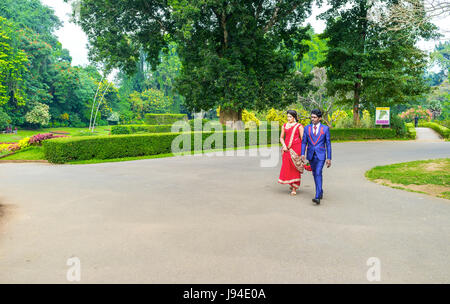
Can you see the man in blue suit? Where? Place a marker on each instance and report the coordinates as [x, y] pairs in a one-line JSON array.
[[316, 138]]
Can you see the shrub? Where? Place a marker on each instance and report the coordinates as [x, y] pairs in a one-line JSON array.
[[249, 118], [420, 112], [107, 147], [443, 131], [4, 147], [14, 148], [346, 122], [398, 125], [131, 129], [5, 120], [445, 123], [163, 119], [276, 115], [193, 121], [366, 121], [360, 133], [337, 116], [411, 130], [24, 143], [39, 115], [39, 138]]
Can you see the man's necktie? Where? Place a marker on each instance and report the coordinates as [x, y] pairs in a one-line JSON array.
[[315, 130]]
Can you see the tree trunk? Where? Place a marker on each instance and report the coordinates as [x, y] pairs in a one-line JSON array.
[[231, 118], [356, 118]]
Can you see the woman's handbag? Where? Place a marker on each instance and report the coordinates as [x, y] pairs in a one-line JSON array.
[[297, 160]]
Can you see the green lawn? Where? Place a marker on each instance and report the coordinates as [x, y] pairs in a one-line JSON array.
[[104, 130], [31, 153], [426, 176]]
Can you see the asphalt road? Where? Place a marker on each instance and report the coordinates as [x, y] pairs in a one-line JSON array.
[[214, 219]]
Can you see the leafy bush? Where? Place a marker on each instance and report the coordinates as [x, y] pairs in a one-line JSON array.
[[163, 119], [5, 120], [107, 147], [39, 115], [131, 129], [337, 116], [445, 123], [366, 120], [398, 125], [411, 130], [249, 118], [4, 147], [14, 148], [24, 143], [360, 133], [281, 116], [420, 112], [443, 131], [346, 122], [193, 121], [39, 138]]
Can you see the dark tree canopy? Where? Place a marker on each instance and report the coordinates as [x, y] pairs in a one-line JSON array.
[[375, 65], [235, 53]]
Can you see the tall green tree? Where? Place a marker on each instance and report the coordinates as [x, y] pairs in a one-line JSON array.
[[234, 53], [441, 56], [12, 65], [366, 63], [316, 54], [46, 74]]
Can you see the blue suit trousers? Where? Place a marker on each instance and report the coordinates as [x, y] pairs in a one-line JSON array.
[[317, 167]]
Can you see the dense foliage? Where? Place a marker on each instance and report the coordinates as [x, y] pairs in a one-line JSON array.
[[368, 65]]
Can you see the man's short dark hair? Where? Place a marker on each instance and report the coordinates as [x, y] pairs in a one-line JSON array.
[[317, 112]]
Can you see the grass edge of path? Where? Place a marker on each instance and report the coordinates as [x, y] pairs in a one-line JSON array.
[[385, 181]]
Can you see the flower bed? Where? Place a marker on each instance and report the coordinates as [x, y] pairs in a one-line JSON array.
[[7, 149]]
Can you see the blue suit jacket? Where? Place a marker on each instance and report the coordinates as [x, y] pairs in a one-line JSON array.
[[319, 144]]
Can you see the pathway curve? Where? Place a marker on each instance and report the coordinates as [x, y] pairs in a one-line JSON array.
[[219, 219], [427, 134]]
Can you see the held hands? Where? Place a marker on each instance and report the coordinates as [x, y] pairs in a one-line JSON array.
[[285, 149], [304, 158]]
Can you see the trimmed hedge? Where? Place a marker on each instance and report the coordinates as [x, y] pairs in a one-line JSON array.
[[375, 133], [106, 147], [336, 134], [132, 129], [443, 131], [411, 130], [64, 150], [163, 119]]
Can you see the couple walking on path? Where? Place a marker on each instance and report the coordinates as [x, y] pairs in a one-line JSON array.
[[300, 143]]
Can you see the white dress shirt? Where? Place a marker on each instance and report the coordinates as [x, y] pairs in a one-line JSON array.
[[317, 130]]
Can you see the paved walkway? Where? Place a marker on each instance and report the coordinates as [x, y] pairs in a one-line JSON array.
[[222, 220], [427, 134]]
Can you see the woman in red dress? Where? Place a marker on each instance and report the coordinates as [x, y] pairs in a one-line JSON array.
[[291, 138]]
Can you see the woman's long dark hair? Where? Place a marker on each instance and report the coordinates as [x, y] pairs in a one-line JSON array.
[[293, 114]]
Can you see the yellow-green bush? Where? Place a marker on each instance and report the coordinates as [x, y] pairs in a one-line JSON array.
[[410, 130], [24, 143], [4, 147], [249, 118], [337, 116]]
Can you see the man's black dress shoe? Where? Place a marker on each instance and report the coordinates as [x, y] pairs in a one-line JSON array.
[[316, 200], [321, 196]]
